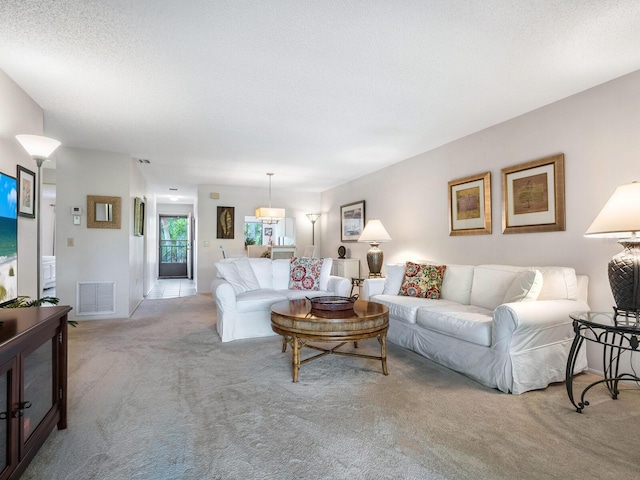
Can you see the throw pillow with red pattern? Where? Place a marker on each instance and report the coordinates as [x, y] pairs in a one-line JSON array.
[[423, 281], [305, 273]]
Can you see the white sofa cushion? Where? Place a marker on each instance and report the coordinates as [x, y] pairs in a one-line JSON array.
[[258, 300], [263, 271], [525, 287], [558, 283], [239, 274], [281, 270], [325, 273], [405, 308], [456, 285], [466, 322], [490, 284], [393, 280]]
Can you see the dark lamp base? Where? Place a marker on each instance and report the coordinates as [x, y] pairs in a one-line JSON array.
[[624, 276], [374, 260]]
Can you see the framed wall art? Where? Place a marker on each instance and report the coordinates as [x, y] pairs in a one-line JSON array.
[[351, 221], [226, 218], [533, 196], [26, 192], [470, 205], [138, 217]]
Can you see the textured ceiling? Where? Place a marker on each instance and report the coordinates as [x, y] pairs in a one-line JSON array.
[[319, 92]]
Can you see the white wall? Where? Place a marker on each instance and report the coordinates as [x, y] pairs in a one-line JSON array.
[[245, 200], [98, 254], [597, 130], [20, 114], [150, 243], [137, 244]]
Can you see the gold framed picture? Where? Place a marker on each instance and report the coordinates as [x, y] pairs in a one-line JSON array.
[[470, 205], [533, 196]]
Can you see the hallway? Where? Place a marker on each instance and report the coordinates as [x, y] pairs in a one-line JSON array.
[[171, 288]]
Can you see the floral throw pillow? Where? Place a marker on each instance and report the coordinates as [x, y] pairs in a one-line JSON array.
[[305, 273], [423, 281]]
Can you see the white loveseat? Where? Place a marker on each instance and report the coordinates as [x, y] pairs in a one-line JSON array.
[[245, 288], [506, 327]]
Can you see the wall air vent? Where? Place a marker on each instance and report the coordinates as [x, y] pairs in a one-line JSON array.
[[95, 298]]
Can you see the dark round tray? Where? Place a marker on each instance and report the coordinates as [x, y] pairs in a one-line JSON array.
[[332, 304]]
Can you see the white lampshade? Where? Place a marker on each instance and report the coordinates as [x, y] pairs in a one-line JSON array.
[[268, 213], [313, 217], [38, 146], [620, 217], [374, 232]]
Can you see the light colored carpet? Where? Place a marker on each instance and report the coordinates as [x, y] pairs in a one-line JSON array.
[[158, 396]]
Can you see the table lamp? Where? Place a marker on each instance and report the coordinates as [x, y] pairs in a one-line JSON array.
[[620, 218], [374, 234]]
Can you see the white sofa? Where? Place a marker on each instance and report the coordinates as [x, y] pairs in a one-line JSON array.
[[245, 288], [506, 327]]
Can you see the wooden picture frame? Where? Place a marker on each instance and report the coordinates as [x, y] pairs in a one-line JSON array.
[[26, 193], [225, 222], [138, 217], [352, 221], [533, 196], [103, 212], [470, 205]]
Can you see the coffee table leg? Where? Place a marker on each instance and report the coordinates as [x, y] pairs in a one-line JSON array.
[[295, 364], [284, 343], [383, 352]]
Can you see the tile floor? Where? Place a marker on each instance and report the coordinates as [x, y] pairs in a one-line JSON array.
[[171, 288]]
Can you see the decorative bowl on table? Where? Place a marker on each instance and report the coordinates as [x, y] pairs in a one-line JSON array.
[[330, 305]]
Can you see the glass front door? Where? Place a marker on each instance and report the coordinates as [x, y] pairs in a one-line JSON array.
[[174, 246]]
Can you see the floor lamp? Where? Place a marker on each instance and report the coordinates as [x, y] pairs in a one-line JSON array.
[[313, 217], [39, 148]]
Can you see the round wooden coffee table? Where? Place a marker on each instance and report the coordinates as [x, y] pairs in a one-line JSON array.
[[299, 326]]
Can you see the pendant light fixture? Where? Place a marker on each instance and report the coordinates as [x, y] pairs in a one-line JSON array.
[[269, 215]]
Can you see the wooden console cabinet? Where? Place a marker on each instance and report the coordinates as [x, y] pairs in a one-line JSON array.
[[33, 382]]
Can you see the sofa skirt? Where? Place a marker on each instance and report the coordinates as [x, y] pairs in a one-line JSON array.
[[510, 372]]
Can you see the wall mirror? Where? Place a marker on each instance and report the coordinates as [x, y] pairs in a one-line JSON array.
[[103, 212]]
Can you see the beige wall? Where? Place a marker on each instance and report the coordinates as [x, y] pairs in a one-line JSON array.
[[20, 114], [245, 200], [597, 130]]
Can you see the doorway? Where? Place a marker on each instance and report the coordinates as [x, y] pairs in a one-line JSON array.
[[175, 246]]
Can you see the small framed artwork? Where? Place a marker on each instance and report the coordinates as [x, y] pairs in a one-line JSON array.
[[470, 205], [351, 221], [533, 196], [26, 192], [138, 217], [226, 218]]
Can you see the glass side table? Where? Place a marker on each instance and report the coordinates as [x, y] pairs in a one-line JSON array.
[[617, 332]]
